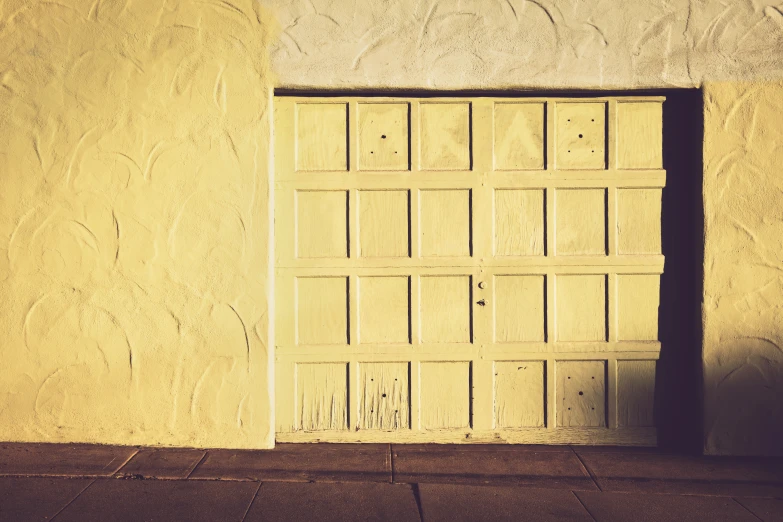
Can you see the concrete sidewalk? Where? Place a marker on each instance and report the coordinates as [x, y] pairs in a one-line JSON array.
[[383, 482]]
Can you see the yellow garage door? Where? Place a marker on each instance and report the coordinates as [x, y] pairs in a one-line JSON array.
[[467, 270]]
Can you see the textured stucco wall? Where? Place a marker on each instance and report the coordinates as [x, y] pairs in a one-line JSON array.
[[460, 44], [743, 268], [134, 227]]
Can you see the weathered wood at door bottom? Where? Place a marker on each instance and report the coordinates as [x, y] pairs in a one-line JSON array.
[[586, 436]]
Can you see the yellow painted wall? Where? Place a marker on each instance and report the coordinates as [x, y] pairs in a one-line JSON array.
[[134, 222], [743, 268]]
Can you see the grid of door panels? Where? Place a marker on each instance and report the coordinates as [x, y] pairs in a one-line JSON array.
[[467, 269]]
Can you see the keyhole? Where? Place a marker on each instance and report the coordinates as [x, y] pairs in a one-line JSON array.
[[384, 395], [383, 136], [580, 135]]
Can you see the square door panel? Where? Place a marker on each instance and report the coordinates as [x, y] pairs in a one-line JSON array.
[[383, 136], [520, 394], [445, 136], [384, 310], [580, 217], [322, 396], [519, 308], [445, 314], [639, 221], [322, 310], [580, 305], [519, 136], [384, 223], [444, 400], [519, 222], [637, 307], [635, 393], [321, 223], [384, 401], [639, 135], [322, 136], [580, 135], [581, 394], [445, 223]]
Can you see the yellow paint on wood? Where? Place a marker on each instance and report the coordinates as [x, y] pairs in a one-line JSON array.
[[322, 396], [635, 393], [383, 223], [519, 308], [384, 397], [321, 136], [321, 305], [581, 396], [486, 283], [519, 136], [637, 302], [580, 305], [383, 136], [383, 310], [321, 228], [519, 222], [639, 221], [520, 394], [445, 315], [580, 217], [445, 395], [445, 136], [445, 223], [580, 130], [639, 135]]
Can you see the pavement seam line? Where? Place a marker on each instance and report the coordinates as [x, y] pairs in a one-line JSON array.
[[391, 460], [587, 469], [202, 459], [74, 499], [253, 499], [124, 463], [583, 505], [747, 509]]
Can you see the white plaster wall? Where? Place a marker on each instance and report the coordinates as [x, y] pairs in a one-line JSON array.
[[542, 44]]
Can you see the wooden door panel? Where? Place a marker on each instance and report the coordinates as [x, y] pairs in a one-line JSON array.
[[384, 309], [519, 222], [384, 224], [445, 223], [384, 397]]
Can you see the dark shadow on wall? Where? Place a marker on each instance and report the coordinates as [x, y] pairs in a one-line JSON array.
[[678, 386]]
